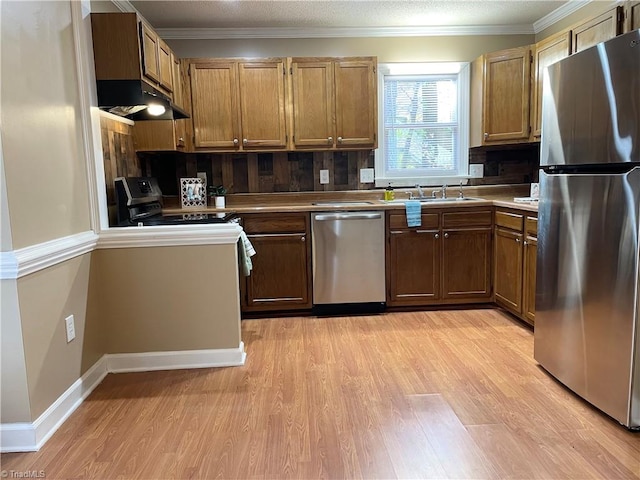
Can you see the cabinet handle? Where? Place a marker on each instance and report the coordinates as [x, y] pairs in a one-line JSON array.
[[304, 239], [446, 235], [436, 236], [235, 141], [245, 141], [180, 142], [330, 140], [339, 139]]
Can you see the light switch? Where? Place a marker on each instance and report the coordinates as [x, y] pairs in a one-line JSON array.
[[324, 177], [476, 170], [366, 175]]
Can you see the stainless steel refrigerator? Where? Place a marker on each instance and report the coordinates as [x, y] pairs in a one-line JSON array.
[[587, 301]]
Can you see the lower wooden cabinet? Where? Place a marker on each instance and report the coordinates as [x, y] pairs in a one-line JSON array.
[[515, 262], [281, 275], [446, 260]]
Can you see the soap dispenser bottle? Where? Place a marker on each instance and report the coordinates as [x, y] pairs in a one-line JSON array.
[[389, 194]]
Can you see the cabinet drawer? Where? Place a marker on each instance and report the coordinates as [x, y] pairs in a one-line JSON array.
[[467, 219], [263, 223], [514, 221], [531, 226], [399, 220]]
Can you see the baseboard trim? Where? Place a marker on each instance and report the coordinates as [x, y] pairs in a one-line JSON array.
[[150, 361], [29, 437]]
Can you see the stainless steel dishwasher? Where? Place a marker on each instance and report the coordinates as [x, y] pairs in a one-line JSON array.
[[348, 262]]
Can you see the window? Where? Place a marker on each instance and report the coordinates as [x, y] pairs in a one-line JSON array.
[[424, 133]]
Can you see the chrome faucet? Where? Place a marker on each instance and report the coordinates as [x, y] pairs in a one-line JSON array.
[[461, 194], [444, 190], [420, 192]]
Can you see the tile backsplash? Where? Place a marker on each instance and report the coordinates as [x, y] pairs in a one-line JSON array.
[[262, 172]]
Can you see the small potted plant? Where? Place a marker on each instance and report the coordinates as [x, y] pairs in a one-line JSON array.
[[217, 194]]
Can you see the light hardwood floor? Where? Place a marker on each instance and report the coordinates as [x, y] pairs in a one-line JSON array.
[[454, 394]]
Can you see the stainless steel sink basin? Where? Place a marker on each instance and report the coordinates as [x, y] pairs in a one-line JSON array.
[[434, 200], [342, 204]]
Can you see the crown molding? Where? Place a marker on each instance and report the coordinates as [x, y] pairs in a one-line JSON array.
[[339, 32], [124, 6], [558, 14]]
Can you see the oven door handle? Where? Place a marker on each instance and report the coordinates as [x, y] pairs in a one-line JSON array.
[[347, 216]]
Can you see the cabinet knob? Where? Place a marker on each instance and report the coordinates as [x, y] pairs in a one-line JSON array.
[[330, 140], [446, 235], [436, 236], [304, 239], [235, 141], [245, 141], [339, 139], [486, 135], [517, 240], [525, 243]]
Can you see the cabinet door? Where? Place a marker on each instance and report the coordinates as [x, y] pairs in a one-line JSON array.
[[214, 107], [262, 104], [150, 66], [312, 88], [414, 267], [547, 52], [506, 95], [598, 29], [508, 269], [280, 279], [355, 103], [165, 66], [632, 16], [466, 264], [529, 289]]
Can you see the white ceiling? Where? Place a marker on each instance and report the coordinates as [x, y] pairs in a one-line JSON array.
[[504, 16]]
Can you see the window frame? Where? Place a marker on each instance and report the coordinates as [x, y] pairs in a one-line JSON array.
[[462, 70]]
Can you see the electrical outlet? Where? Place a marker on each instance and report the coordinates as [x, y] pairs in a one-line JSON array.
[[476, 170], [71, 328], [324, 177], [366, 175]]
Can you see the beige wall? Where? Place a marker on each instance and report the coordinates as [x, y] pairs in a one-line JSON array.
[[14, 395], [166, 298], [400, 49], [5, 225], [41, 138], [46, 298]]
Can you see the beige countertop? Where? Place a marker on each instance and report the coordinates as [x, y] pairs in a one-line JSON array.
[[501, 195]]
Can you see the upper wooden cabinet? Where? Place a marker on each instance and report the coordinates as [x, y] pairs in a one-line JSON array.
[[126, 48], [546, 52], [500, 91], [238, 105], [598, 29], [632, 16], [333, 102]]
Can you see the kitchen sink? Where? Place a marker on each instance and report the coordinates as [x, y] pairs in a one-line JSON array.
[[434, 200], [342, 204]]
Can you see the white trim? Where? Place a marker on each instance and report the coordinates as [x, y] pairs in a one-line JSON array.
[[151, 361], [170, 236], [27, 260], [558, 14], [30, 437], [339, 32], [124, 6]]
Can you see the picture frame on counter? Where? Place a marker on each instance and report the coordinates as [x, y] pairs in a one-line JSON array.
[[193, 193]]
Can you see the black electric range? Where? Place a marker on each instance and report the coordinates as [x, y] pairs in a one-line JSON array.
[[139, 203]]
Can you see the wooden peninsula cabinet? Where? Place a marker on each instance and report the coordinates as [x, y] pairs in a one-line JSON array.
[[238, 105], [333, 102], [444, 261], [281, 275], [515, 262]]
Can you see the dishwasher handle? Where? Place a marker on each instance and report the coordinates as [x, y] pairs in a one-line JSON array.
[[347, 216]]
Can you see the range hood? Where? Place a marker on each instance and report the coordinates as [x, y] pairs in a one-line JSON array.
[[136, 100]]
